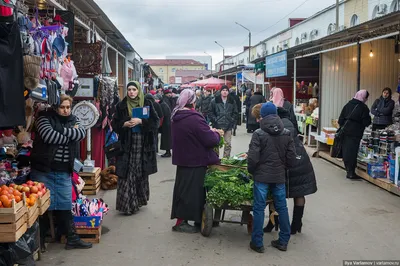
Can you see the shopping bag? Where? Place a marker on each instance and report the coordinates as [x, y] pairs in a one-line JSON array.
[[336, 151]]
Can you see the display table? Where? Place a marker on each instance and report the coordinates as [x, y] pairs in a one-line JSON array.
[[361, 171]]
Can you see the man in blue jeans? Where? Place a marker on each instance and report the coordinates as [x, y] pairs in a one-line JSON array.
[[271, 153]]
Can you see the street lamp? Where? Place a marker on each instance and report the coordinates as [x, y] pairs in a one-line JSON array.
[[223, 54], [211, 60], [249, 39]]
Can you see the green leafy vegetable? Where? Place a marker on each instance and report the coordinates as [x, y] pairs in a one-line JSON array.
[[220, 144], [235, 161]]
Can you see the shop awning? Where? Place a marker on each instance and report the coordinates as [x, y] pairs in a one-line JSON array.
[[379, 28]]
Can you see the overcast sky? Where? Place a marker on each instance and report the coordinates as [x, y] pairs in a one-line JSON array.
[[157, 28]]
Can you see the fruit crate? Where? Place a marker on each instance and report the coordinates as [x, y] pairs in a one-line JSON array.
[[92, 182], [91, 235], [32, 214], [44, 202], [13, 222]]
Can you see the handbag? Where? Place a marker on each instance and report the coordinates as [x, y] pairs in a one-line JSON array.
[[114, 149], [338, 142]]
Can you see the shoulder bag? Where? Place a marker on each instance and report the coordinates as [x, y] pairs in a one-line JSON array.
[[114, 149], [338, 142]]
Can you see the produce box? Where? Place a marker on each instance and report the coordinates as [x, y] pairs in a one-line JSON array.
[[13, 222], [91, 235], [32, 214], [44, 202], [92, 181], [87, 222]]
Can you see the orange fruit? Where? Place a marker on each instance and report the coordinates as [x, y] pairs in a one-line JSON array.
[[17, 199], [3, 198], [17, 193], [33, 196], [7, 204], [32, 201], [1, 205], [27, 201], [4, 192], [3, 187]]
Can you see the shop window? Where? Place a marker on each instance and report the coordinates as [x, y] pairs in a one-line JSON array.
[[394, 7], [273, 50], [277, 48], [354, 21], [331, 28], [379, 10], [161, 70], [173, 69]]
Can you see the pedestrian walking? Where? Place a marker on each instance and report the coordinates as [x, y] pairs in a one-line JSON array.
[[160, 114], [138, 160], [278, 98], [204, 104], [234, 95], [271, 153], [193, 143], [353, 120], [223, 116]]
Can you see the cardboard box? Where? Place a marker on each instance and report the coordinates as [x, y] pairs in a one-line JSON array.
[[87, 222]]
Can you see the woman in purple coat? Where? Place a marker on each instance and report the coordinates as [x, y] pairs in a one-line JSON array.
[[192, 142]]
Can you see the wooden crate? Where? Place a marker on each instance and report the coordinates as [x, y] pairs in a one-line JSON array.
[[32, 214], [91, 235], [92, 182], [13, 222], [44, 202]]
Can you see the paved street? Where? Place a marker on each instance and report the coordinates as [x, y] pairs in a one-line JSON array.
[[343, 220]]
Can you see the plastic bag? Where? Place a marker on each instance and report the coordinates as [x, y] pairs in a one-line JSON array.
[[21, 252]]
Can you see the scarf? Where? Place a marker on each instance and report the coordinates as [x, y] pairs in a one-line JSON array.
[[138, 101], [361, 95], [277, 97], [186, 97]]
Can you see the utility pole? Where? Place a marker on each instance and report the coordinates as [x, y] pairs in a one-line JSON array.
[[249, 39], [223, 54]]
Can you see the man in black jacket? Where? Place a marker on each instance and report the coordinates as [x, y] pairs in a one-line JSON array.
[[223, 116], [271, 153], [204, 104]]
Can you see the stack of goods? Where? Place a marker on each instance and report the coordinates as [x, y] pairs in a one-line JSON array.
[[20, 208], [235, 161], [88, 216], [231, 188], [92, 181]]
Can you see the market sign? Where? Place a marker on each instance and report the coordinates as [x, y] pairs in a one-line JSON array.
[[276, 65]]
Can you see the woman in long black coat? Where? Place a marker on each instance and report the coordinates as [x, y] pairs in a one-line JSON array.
[[301, 180], [157, 108], [252, 124], [165, 129]]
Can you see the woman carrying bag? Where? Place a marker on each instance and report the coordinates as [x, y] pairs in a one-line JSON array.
[[353, 120]]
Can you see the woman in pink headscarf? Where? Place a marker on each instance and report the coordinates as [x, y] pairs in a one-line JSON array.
[[279, 100], [353, 120], [192, 144]]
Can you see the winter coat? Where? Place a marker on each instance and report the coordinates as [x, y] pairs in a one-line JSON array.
[[271, 152], [358, 121], [382, 109], [254, 100], [204, 105], [223, 116], [301, 177], [149, 130], [165, 129], [237, 100], [156, 105], [292, 116], [192, 140], [396, 112]]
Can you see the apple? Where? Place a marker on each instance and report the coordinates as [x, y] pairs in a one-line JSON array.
[[40, 194], [34, 189], [19, 188], [12, 185], [44, 191], [39, 186], [24, 185], [36, 183], [26, 189], [30, 183]]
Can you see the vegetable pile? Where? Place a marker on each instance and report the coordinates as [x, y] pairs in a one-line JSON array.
[[232, 188], [235, 161]]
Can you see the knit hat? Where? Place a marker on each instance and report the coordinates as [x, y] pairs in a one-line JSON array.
[[268, 109], [224, 87]]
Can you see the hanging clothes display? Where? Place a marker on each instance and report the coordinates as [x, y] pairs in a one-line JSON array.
[[12, 101]]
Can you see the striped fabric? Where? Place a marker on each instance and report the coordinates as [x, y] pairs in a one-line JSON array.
[[51, 136]]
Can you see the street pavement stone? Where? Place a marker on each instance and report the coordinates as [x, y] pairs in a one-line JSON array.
[[344, 220]]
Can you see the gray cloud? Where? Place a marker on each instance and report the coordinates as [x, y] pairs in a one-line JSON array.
[[156, 28]]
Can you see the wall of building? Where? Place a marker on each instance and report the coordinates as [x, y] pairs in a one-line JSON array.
[[339, 76], [319, 22], [166, 72]]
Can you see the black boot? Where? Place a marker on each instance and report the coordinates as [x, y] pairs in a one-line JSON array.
[[270, 225], [296, 220], [167, 154], [44, 225], [73, 240]]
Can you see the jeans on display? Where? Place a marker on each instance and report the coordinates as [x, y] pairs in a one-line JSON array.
[[260, 199]]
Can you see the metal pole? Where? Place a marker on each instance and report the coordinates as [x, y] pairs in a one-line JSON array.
[[358, 66], [249, 46], [337, 15], [223, 58]]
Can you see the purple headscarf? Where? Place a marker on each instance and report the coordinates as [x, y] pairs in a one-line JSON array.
[[361, 95], [186, 97]]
